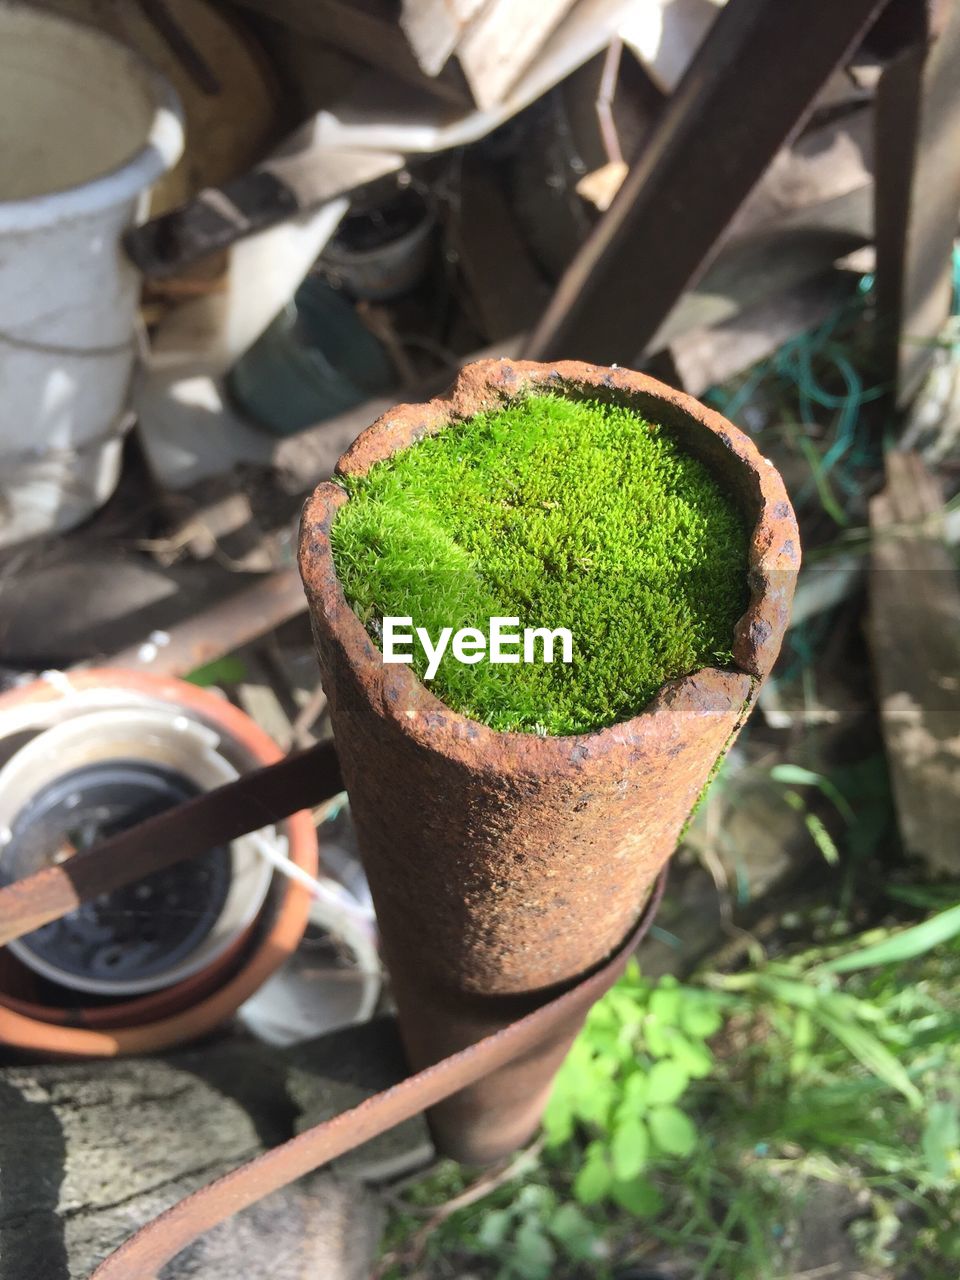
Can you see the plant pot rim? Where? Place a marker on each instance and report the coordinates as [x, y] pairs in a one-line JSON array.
[[197, 1005], [399, 694]]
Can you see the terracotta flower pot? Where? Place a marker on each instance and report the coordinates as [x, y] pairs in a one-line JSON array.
[[204, 1000], [504, 866]]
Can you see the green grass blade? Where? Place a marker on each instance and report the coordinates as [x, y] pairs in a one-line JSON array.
[[903, 945], [871, 1053], [796, 775]]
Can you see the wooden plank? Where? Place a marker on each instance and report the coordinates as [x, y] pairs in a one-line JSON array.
[[915, 637], [369, 30], [507, 289], [434, 28], [917, 202], [502, 41], [708, 356], [750, 269]]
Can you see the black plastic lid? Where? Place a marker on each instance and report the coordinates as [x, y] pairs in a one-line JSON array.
[[135, 933]]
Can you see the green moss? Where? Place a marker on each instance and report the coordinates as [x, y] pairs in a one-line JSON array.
[[562, 513]]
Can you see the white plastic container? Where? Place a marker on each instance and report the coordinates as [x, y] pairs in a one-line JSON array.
[[85, 128]]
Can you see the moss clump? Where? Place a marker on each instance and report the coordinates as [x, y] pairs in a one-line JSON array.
[[563, 513]]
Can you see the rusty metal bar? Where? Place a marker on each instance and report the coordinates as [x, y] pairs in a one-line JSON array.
[[555, 1021], [254, 800], [225, 626], [746, 92], [917, 201]]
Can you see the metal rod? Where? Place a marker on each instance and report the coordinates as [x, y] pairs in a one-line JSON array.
[[263, 796], [225, 626]]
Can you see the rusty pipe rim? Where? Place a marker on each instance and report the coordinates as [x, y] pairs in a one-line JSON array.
[[208, 998], [773, 561]]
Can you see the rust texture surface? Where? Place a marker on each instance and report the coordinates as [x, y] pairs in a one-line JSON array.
[[505, 865]]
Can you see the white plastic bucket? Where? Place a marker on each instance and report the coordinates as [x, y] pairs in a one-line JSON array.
[[85, 128]]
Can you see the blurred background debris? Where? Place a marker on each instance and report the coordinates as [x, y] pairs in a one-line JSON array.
[[755, 200]]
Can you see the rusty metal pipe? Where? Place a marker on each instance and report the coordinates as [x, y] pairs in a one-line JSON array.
[[506, 866], [246, 615]]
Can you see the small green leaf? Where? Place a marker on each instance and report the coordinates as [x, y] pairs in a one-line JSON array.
[[700, 1019], [228, 670], [559, 1114], [533, 1255], [655, 1037], [802, 1042], [558, 1122], [941, 1138], [626, 1007], [595, 1105], [672, 1130], [635, 1092], [629, 1149], [624, 1114], [665, 1004], [579, 1061], [822, 839], [594, 1177], [494, 1227], [535, 1198], [666, 1081], [574, 1232], [821, 480], [872, 1053], [795, 775], [693, 1055], [639, 1197], [790, 991]]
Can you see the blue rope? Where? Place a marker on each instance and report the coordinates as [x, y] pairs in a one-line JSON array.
[[791, 369]]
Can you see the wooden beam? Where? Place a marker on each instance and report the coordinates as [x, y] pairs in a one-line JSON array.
[[508, 291], [502, 41], [434, 28], [915, 635], [917, 202], [369, 30]]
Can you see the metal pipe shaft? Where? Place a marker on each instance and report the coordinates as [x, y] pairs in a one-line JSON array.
[[506, 866]]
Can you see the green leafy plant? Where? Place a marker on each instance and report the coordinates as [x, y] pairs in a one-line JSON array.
[[621, 1085], [561, 513], [699, 1117], [535, 1231]]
